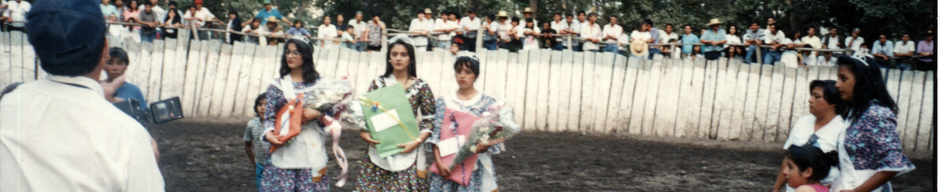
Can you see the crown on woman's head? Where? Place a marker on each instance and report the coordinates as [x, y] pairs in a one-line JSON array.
[[403, 38]]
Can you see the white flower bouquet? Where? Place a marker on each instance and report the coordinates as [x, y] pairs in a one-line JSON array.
[[495, 124]]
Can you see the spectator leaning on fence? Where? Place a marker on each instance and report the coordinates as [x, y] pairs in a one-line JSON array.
[[753, 38], [489, 36], [418, 27], [527, 14], [375, 31], [158, 11], [611, 33], [446, 26], [340, 25], [172, 19], [904, 49], [200, 16], [349, 39], [582, 21], [733, 37], [688, 37], [297, 29], [325, 32], [546, 38], [714, 40], [826, 59], [790, 57], [667, 33], [770, 20], [570, 26], [514, 34], [470, 24], [16, 14], [776, 40], [269, 11], [529, 34], [234, 24], [591, 33], [855, 41], [273, 31], [882, 50], [148, 18], [833, 40], [503, 28], [360, 28], [925, 51], [559, 26], [642, 34], [109, 11], [68, 37], [809, 58]]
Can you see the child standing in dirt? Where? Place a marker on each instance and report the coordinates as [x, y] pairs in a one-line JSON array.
[[256, 149], [806, 165]]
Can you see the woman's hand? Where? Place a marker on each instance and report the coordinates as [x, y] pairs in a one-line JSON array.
[[443, 170], [410, 146], [310, 115], [273, 139], [483, 147], [366, 136]]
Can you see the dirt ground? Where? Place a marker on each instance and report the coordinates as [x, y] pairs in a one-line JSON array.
[[208, 155]]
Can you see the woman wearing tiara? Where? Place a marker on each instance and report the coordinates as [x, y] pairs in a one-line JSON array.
[[469, 100], [300, 166], [405, 171]]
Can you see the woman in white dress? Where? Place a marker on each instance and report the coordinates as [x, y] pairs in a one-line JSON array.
[[820, 129]]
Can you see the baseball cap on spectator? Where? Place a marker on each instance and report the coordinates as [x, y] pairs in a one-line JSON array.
[[67, 35], [198, 2]]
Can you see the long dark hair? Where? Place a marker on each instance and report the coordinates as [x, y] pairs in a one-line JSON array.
[[412, 69], [306, 51], [869, 87]]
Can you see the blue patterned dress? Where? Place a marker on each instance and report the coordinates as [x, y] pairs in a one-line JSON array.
[[869, 145], [483, 177]]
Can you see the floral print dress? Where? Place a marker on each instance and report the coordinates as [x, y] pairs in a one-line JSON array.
[[405, 171], [483, 177], [870, 144]]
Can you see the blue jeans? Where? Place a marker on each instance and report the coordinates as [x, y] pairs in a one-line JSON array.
[[558, 47], [490, 45], [748, 58], [904, 66], [259, 168], [361, 46], [444, 45], [771, 57], [654, 51], [147, 38], [610, 48]]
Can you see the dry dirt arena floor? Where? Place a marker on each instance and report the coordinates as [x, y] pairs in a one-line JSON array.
[[209, 155]]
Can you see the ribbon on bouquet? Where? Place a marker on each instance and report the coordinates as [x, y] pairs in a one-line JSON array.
[[336, 131]]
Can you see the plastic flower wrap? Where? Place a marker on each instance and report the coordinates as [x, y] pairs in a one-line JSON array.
[[332, 97], [495, 124]]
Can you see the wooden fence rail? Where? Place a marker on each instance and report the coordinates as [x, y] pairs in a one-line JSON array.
[[549, 90]]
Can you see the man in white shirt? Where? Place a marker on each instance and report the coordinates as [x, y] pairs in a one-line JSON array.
[[770, 21], [882, 50], [326, 32], [471, 23], [527, 14], [559, 26], [200, 17], [16, 14], [612, 32], [61, 133], [359, 27], [490, 37], [776, 39], [573, 29], [668, 33], [446, 26], [812, 40], [905, 50], [591, 33], [502, 30], [417, 27], [855, 41]]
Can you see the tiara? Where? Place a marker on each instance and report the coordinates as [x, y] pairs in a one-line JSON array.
[[403, 38], [301, 38], [468, 54], [862, 58]]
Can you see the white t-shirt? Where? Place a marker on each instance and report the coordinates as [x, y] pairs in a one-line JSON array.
[[855, 45], [558, 27], [470, 24], [17, 12], [358, 27], [614, 31], [901, 47], [59, 137], [203, 14], [732, 39], [419, 25], [503, 30], [593, 32], [441, 24], [326, 32], [664, 38], [639, 35]]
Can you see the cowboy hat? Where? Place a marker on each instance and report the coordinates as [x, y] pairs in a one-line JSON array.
[[272, 19], [713, 22], [639, 48], [527, 10], [427, 10], [502, 14]]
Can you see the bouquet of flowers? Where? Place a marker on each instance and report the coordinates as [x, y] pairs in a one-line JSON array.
[[495, 124]]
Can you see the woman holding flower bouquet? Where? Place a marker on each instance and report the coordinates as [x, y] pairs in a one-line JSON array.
[[471, 101], [404, 171], [298, 164]]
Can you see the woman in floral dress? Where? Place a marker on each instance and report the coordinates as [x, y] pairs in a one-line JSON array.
[[469, 100], [870, 151], [405, 171]]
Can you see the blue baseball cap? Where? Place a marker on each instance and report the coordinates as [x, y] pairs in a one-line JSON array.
[[67, 35]]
